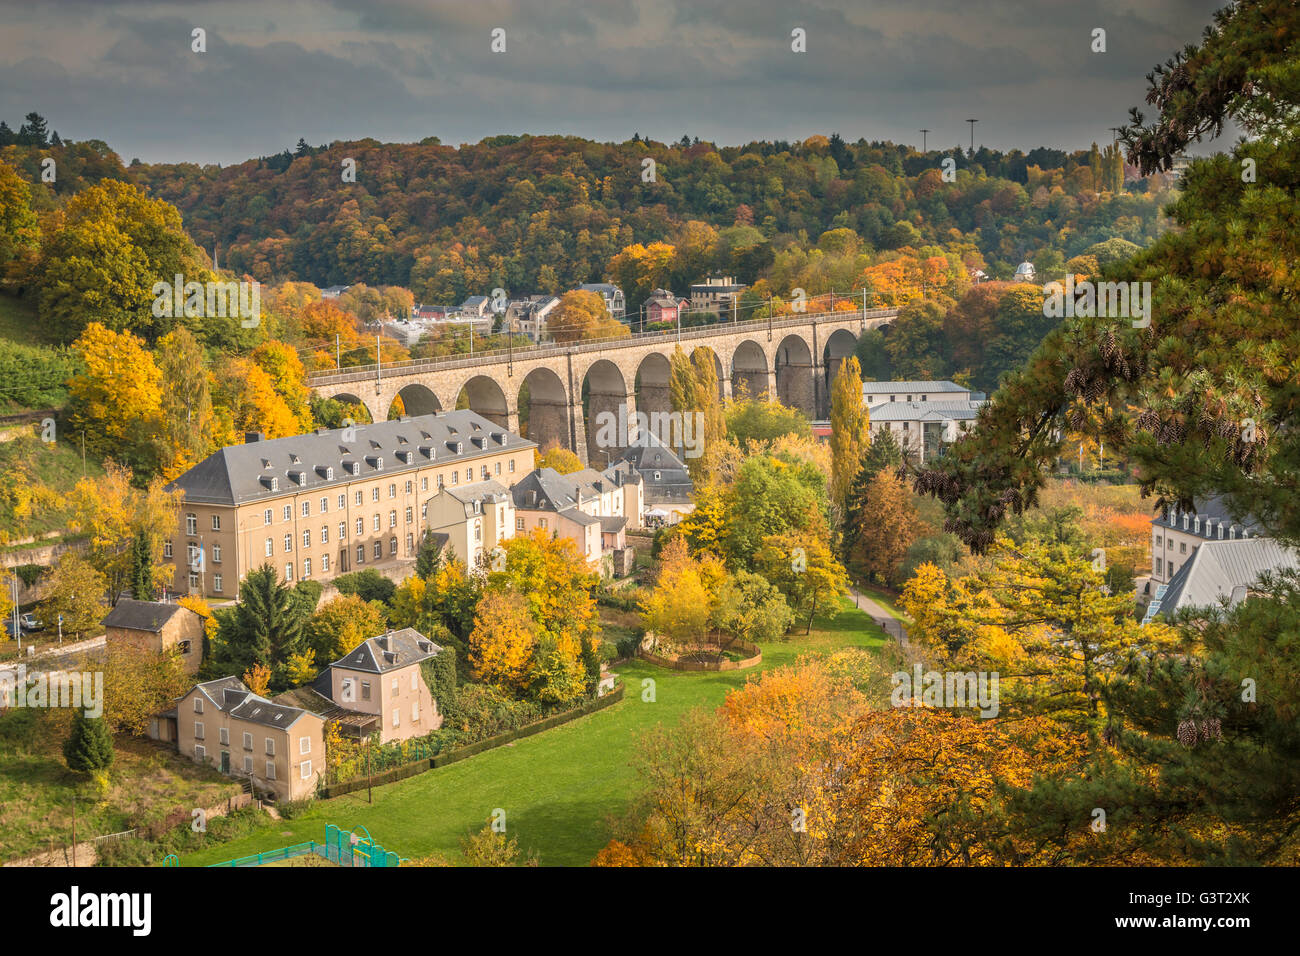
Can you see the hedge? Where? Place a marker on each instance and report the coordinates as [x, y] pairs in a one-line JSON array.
[[460, 753]]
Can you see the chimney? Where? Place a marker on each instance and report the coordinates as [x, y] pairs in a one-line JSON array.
[[250, 437]]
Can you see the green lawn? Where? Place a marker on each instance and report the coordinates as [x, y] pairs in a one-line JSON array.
[[559, 788]]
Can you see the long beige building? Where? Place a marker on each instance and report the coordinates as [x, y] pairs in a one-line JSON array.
[[337, 500]]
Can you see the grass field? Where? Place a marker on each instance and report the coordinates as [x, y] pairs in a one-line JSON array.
[[559, 789], [36, 788]]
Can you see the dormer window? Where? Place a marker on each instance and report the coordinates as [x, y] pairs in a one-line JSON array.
[[329, 474], [273, 483]]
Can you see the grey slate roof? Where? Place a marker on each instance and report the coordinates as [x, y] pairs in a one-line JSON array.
[[912, 387], [142, 615], [924, 411], [232, 696], [1216, 567], [243, 473], [1213, 512], [389, 651], [648, 456]]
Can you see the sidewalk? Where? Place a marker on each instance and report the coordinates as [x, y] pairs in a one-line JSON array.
[[886, 621]]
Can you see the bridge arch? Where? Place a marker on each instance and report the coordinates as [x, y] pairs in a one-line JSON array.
[[485, 396], [543, 404], [750, 375], [840, 345], [795, 382], [417, 399], [349, 398], [651, 386], [604, 389]]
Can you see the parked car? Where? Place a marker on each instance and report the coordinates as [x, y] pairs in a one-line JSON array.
[[29, 623], [10, 631]]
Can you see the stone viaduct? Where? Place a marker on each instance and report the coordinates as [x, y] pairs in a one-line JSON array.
[[564, 388]]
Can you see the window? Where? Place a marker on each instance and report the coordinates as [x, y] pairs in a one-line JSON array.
[[248, 741], [358, 496], [306, 539], [288, 542], [365, 690], [1158, 540], [325, 502], [198, 730], [497, 468], [288, 572], [304, 745], [410, 515], [469, 473], [376, 521], [424, 483], [1158, 568], [392, 519], [541, 523], [409, 487], [324, 534], [266, 516], [288, 513], [343, 530], [217, 585], [199, 752], [379, 550], [374, 493], [478, 530], [397, 689], [198, 705], [343, 502], [1182, 547], [440, 481], [455, 478], [306, 509], [512, 465], [361, 527], [424, 510], [519, 524], [414, 681], [392, 545], [392, 489], [270, 770], [270, 746], [223, 735], [216, 554], [191, 524], [248, 765], [216, 522], [306, 768], [410, 542], [415, 711], [397, 718], [167, 549], [194, 580], [325, 564], [361, 554], [306, 567]]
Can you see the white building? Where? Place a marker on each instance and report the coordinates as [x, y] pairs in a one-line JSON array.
[[878, 393]]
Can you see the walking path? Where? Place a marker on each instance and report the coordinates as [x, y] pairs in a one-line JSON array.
[[886, 621]]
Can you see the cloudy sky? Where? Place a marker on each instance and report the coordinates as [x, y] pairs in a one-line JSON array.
[[723, 70]]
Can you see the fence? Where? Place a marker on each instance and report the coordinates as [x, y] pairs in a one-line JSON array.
[[460, 753], [341, 847]]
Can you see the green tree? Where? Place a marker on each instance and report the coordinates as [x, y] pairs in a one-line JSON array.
[[265, 627], [75, 590], [89, 746], [102, 257]]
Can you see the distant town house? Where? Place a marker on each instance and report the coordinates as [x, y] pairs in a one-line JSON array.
[[663, 306], [716, 294], [158, 628], [615, 303]]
